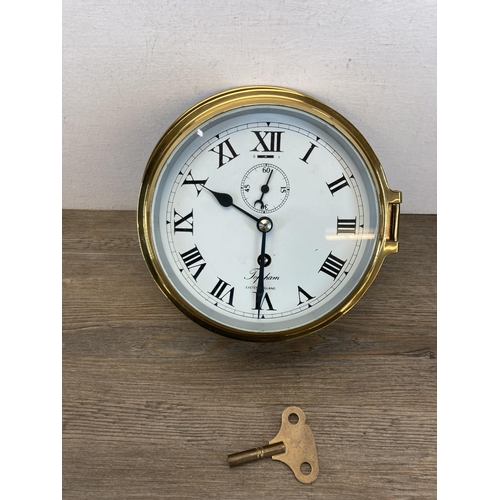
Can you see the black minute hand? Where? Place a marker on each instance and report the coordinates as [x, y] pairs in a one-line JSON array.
[[226, 200], [260, 284], [264, 225]]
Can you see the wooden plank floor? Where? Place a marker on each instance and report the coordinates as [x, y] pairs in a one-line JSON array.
[[153, 403]]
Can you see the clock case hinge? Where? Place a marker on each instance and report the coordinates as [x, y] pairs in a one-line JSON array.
[[392, 221]]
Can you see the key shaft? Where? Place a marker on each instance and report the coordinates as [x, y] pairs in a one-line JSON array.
[[244, 457]]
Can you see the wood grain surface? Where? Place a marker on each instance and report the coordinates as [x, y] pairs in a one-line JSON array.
[[153, 403]]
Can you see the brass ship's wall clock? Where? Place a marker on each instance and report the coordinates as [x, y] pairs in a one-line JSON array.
[[265, 215]]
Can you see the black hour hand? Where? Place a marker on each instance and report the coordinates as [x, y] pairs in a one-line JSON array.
[[226, 200]]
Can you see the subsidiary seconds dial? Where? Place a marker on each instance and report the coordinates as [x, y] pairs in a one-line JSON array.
[[265, 221], [265, 188]]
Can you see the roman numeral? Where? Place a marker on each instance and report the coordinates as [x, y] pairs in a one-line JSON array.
[[195, 182], [309, 152], [332, 266], [193, 259], [225, 151], [219, 291], [337, 185], [183, 224], [301, 291], [268, 302], [269, 141], [346, 225]]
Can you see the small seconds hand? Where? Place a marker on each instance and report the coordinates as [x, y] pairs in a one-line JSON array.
[[264, 189]]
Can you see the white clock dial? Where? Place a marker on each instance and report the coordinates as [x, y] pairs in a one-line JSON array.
[[265, 215], [322, 207]]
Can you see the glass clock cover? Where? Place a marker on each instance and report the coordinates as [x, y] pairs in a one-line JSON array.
[[264, 215]]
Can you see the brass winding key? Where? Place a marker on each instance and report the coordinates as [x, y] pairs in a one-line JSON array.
[[294, 445]]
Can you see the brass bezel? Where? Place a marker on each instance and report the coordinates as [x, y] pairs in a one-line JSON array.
[[191, 120]]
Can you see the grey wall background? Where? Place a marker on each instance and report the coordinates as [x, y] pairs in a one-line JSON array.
[[130, 68]]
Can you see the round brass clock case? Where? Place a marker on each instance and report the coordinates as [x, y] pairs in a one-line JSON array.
[[264, 214]]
